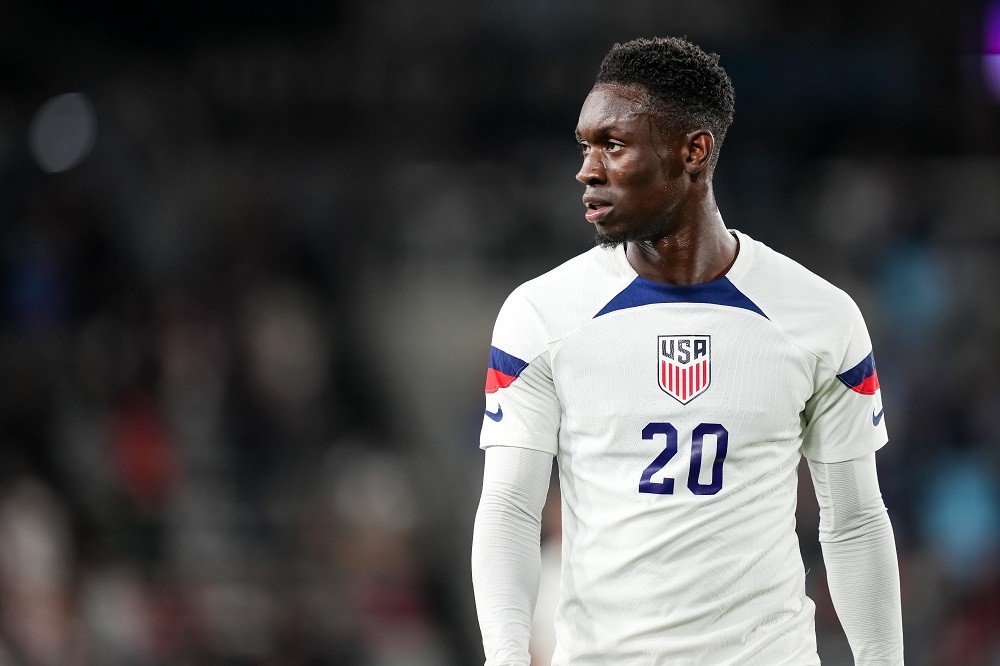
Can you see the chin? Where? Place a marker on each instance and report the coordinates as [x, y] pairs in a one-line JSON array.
[[612, 236], [608, 241]]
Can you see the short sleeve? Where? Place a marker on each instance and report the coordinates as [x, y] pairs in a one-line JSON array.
[[844, 418], [522, 408]]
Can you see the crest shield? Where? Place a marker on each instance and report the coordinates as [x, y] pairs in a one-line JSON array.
[[684, 365]]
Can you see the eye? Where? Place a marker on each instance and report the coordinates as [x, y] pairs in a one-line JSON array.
[[583, 147], [613, 147]]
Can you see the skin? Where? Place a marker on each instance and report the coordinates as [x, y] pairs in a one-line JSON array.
[[658, 182]]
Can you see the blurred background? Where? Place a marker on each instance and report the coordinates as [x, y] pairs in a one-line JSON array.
[[252, 256]]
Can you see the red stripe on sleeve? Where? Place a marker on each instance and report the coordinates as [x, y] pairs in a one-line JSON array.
[[496, 380], [868, 386]]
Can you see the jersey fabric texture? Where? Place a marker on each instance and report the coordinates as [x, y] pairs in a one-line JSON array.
[[678, 416]]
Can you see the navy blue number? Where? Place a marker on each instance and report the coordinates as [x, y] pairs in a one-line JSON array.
[[666, 487], [721, 448]]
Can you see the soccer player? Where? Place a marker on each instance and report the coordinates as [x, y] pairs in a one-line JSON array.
[[678, 373]]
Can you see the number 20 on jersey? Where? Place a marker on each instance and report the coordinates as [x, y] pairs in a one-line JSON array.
[[654, 430]]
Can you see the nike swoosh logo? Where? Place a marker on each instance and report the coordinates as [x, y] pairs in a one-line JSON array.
[[877, 418], [497, 415]]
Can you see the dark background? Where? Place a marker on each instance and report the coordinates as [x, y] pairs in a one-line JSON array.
[[252, 254]]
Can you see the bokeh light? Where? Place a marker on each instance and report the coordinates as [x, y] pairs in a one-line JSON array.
[[991, 49], [63, 132]]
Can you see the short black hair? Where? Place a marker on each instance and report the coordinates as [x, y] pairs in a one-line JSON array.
[[685, 84]]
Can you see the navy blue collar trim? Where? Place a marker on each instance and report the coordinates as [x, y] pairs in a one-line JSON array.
[[647, 292]]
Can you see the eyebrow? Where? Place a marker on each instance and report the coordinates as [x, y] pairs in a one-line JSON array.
[[604, 130]]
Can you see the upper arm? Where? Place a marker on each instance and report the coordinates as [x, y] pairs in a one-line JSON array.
[[522, 407], [844, 418]]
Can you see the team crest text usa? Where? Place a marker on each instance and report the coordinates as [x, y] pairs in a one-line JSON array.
[[684, 365]]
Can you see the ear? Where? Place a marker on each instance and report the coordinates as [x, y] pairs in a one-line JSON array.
[[697, 149]]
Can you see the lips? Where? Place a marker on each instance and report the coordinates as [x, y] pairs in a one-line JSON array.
[[597, 208], [597, 213]]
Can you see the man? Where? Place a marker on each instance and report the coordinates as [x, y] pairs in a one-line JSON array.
[[678, 372]]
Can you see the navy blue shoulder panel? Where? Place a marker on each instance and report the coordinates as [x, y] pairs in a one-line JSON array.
[[646, 292]]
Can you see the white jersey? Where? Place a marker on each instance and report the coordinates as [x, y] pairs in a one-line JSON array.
[[678, 416]]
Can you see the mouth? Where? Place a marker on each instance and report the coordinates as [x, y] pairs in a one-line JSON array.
[[597, 209]]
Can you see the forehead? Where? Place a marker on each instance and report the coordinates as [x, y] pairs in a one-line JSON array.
[[611, 105]]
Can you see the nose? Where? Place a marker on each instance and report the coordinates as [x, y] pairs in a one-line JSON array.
[[592, 171]]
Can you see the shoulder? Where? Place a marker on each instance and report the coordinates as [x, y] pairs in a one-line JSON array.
[[785, 288], [809, 310], [575, 289], [550, 306], [590, 268]]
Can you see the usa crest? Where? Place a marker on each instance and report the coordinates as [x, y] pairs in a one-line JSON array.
[[684, 365]]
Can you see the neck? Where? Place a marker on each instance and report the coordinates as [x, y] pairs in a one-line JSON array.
[[698, 249]]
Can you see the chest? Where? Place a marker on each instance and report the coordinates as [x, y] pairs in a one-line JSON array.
[[684, 364]]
